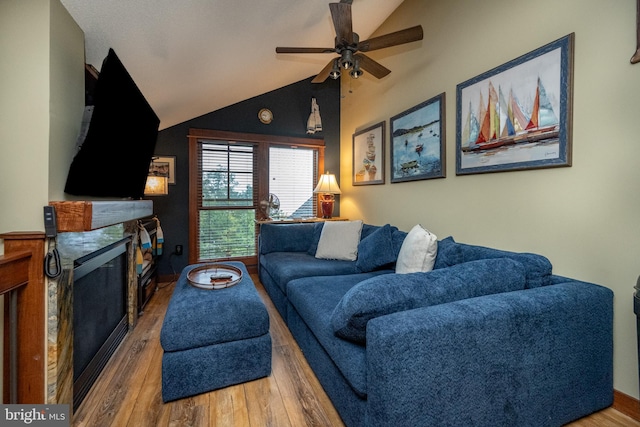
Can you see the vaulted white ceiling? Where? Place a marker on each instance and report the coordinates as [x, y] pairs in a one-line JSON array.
[[191, 57]]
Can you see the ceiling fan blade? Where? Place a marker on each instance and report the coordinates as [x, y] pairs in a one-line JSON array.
[[305, 50], [341, 15], [376, 69], [322, 76], [392, 39]]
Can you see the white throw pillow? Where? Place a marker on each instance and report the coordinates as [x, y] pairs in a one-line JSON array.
[[339, 240], [418, 251]]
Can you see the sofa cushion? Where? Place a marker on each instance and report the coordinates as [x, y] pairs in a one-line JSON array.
[[377, 249], [368, 229], [418, 251], [339, 240], [391, 293], [317, 231], [286, 266], [314, 299], [449, 253], [538, 268], [398, 237], [285, 237]]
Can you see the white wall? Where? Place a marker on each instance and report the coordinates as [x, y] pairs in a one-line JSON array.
[[42, 87], [24, 134], [66, 96], [584, 218]]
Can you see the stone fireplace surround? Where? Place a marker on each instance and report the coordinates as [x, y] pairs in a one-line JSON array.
[[83, 227]]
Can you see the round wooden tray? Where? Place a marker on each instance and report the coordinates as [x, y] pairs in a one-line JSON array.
[[214, 276]]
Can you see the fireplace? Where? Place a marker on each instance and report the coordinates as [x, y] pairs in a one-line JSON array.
[[91, 234], [100, 289]]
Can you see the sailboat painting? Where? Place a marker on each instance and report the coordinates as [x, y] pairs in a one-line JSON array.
[[517, 116], [418, 142]]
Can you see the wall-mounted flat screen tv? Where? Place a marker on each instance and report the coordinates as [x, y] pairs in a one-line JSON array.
[[113, 158]]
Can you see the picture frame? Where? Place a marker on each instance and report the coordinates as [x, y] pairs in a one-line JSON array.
[[164, 166], [368, 155], [418, 142], [519, 115]]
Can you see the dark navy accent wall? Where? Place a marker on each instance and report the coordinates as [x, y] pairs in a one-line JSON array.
[[290, 105]]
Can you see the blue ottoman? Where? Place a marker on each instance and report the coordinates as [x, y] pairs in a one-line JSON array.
[[213, 338]]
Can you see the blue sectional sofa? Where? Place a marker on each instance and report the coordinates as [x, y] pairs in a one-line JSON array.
[[487, 338]]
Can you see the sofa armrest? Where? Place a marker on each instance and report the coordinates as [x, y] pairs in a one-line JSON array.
[[541, 356]]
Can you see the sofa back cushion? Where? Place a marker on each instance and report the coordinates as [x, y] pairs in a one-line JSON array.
[[392, 293], [285, 237], [377, 249], [538, 268]]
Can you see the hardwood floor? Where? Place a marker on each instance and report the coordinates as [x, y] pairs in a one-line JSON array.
[[128, 392]]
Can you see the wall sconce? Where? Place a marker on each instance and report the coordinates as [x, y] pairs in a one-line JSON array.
[[160, 169], [156, 186], [327, 188]]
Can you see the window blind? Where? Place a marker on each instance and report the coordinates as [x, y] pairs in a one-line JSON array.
[[292, 177], [226, 200]]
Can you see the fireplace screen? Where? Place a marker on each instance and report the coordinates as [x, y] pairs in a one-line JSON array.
[[99, 312]]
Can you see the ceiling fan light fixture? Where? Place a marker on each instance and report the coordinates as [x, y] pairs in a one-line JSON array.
[[347, 59], [335, 71], [356, 72], [349, 48]]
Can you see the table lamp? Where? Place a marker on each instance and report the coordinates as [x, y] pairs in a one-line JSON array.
[[327, 188]]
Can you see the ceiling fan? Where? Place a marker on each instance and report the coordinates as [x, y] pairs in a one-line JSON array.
[[350, 48]]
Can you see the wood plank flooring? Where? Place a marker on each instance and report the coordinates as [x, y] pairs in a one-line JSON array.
[[128, 392]]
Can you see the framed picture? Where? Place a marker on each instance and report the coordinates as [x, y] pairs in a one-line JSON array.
[[418, 142], [518, 115], [368, 155], [164, 166]]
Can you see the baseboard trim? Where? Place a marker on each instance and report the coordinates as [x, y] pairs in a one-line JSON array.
[[626, 404]]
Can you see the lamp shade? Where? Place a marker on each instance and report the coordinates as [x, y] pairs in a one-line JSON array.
[[327, 184], [156, 186]]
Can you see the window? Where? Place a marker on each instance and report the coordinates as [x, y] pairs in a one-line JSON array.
[[230, 174], [226, 212], [293, 174]]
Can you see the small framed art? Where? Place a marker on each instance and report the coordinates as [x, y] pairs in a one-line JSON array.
[[418, 142], [368, 155], [164, 166]]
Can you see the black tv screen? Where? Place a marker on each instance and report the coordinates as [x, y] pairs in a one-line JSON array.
[[113, 159]]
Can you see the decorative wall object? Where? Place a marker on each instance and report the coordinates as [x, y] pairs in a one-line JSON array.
[[164, 166], [314, 123], [418, 142], [518, 115], [368, 155]]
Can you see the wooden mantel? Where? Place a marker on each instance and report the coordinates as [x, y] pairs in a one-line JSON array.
[[78, 216]]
